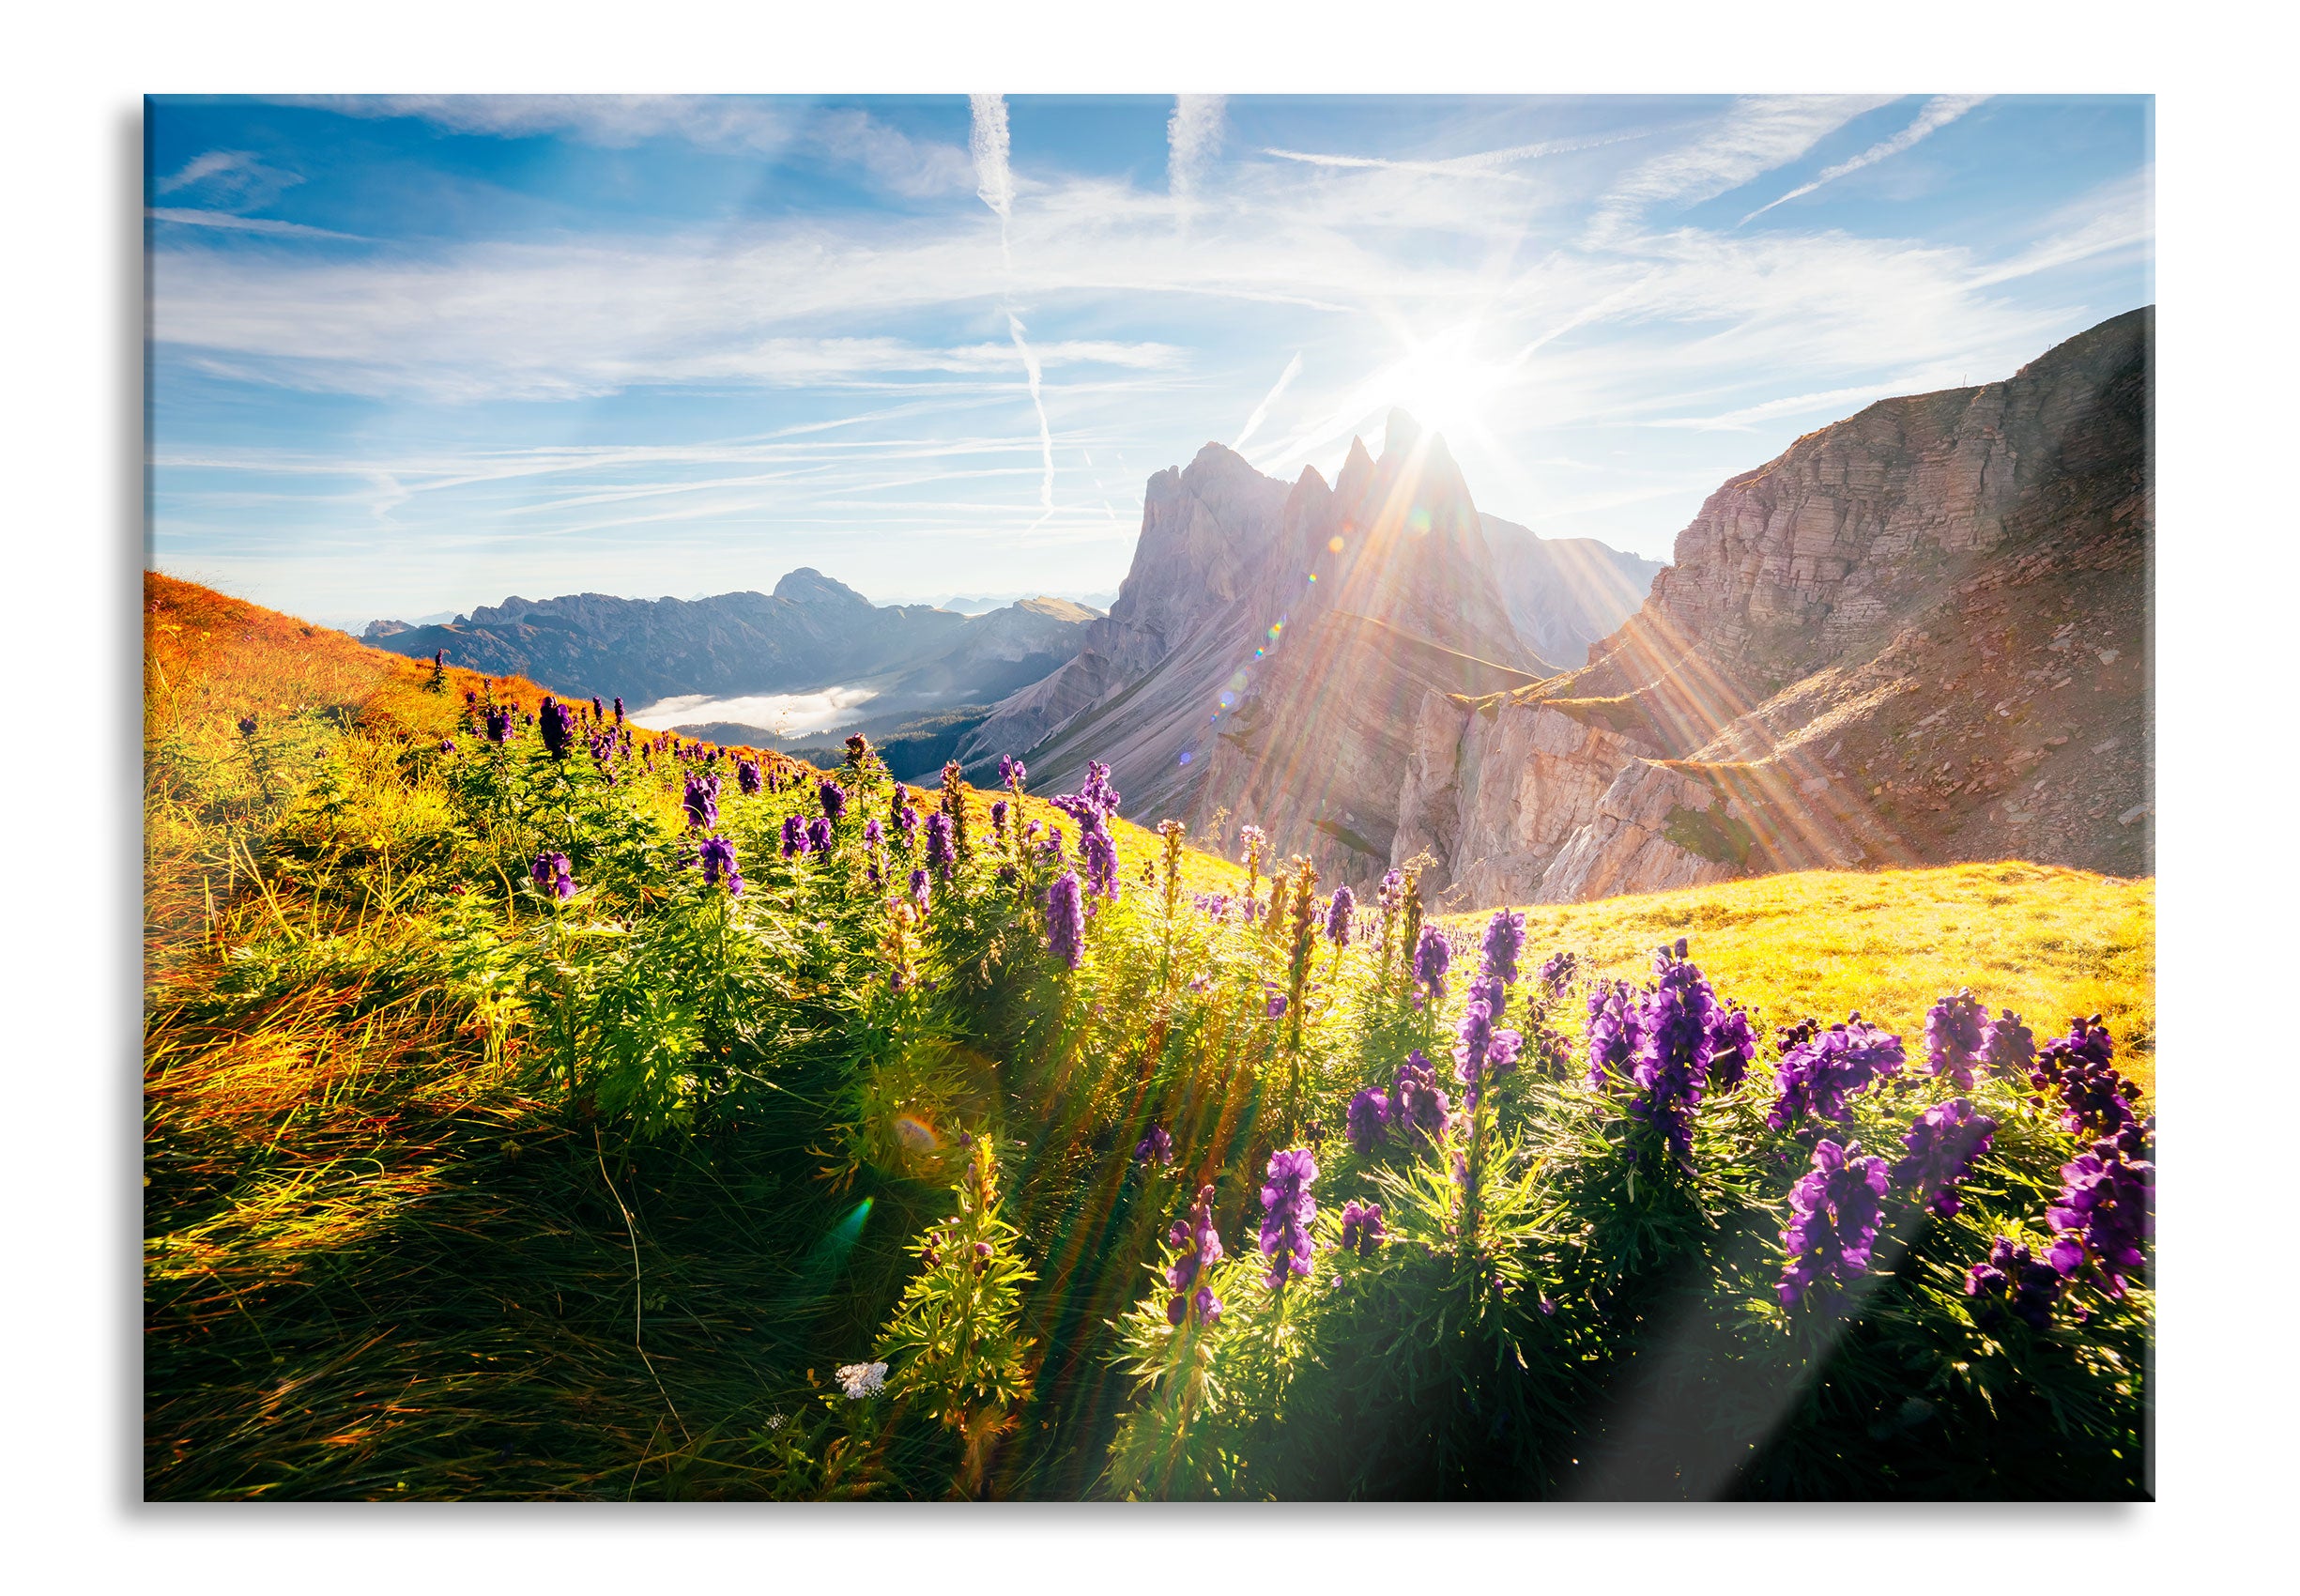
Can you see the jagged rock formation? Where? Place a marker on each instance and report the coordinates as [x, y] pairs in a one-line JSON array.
[[1268, 652], [810, 633], [1919, 635]]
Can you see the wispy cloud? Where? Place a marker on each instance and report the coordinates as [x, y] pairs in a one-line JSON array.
[[613, 121], [1937, 114], [988, 142], [917, 168], [2118, 215], [233, 221], [1254, 423], [1483, 163], [1756, 136]]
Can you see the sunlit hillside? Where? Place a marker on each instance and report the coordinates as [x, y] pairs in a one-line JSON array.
[[537, 1108]]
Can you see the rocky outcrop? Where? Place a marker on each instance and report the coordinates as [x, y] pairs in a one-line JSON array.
[[1918, 635], [1564, 594]]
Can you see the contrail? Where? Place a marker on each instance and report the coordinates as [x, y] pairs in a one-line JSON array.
[[1193, 133], [1937, 114], [1294, 369], [993, 172], [1046, 436]]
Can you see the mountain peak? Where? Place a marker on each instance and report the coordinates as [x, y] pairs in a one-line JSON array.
[[1400, 435], [808, 585]]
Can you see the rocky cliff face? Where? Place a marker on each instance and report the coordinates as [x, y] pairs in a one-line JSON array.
[[1919, 635], [1564, 594]]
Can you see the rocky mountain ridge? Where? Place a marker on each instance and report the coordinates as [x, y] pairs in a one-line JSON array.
[[810, 633], [1919, 635]]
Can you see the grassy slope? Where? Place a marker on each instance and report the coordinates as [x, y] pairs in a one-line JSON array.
[[379, 1266], [2047, 942]]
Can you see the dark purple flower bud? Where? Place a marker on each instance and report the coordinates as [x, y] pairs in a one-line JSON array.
[[1338, 915], [1942, 1145], [2106, 1212], [2013, 1280], [1066, 920], [1287, 1210], [702, 800], [794, 836], [1201, 1249], [1367, 1120], [552, 876], [919, 889], [748, 778], [1417, 1104], [941, 854], [1834, 1213], [1276, 1004], [1616, 1009], [619, 712], [834, 800], [1156, 1147], [998, 816], [1954, 1029], [498, 725], [447, 745], [2007, 1047], [819, 838], [873, 833], [558, 728], [1361, 1227]]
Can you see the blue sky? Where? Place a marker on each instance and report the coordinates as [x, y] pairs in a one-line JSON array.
[[413, 354]]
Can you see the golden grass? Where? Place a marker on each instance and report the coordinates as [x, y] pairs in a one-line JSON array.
[[2047, 942]]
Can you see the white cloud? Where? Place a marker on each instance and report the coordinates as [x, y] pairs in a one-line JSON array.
[[2119, 215], [615, 121], [1037, 403], [232, 178], [917, 168], [1937, 114], [988, 142], [1484, 163]]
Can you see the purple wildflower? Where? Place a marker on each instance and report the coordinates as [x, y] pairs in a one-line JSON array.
[[1733, 1043], [1943, 1143], [558, 728], [747, 778], [702, 800], [998, 816], [1671, 1066], [1615, 1014], [794, 836], [819, 838], [941, 854], [1367, 1120], [1390, 895], [919, 889], [1558, 972], [719, 861], [1361, 1227], [1156, 1147], [1416, 1103], [1066, 920], [619, 712], [1287, 1209], [553, 875], [499, 724], [1431, 960], [834, 800], [1012, 773], [873, 834], [1482, 1052], [1338, 914], [2008, 1047], [447, 745], [1505, 938], [1834, 1213], [1201, 1249], [2016, 1281], [2106, 1212], [1954, 1029], [1276, 1004], [1818, 1076]]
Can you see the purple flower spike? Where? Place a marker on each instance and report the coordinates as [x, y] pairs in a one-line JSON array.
[[1368, 1120], [747, 778], [1417, 1104], [2107, 1213], [1954, 1029], [718, 863], [1156, 1147], [1201, 1249], [558, 728], [919, 889], [1287, 1210], [2008, 1048], [1616, 1012], [834, 801], [1432, 957], [1834, 1213], [2016, 1281], [1338, 915], [873, 834], [1505, 938], [551, 873], [940, 853], [1066, 920], [702, 800], [794, 836], [818, 833], [1818, 1076], [1942, 1145], [1558, 972]]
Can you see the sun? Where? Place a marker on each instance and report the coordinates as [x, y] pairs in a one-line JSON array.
[[1447, 382]]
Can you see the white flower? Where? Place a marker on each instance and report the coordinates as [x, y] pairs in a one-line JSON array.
[[860, 1380], [776, 1421]]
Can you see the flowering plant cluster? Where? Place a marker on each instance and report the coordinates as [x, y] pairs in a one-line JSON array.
[[1834, 1213], [1201, 1249], [1942, 1145], [1819, 1075], [1287, 1209]]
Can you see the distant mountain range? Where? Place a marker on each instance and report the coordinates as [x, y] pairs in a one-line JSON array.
[[810, 634]]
